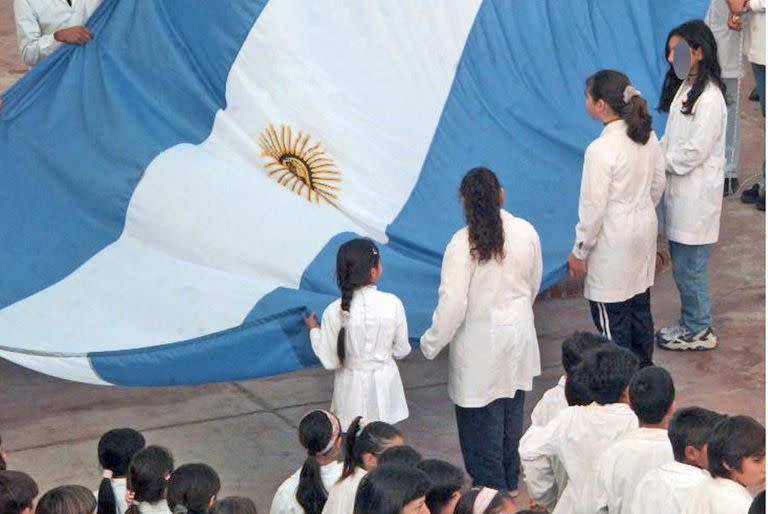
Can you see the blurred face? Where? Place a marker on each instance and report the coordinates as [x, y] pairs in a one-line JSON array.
[[673, 41], [752, 472], [417, 506], [696, 55]]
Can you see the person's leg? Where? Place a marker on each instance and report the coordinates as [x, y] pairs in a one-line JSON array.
[[642, 328], [481, 437], [732, 136], [613, 321], [759, 71], [513, 430]]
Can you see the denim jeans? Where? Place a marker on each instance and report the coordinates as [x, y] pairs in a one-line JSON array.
[[489, 437], [733, 129], [759, 71], [689, 269]]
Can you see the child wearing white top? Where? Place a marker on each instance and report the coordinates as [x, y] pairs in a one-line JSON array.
[[306, 491], [615, 245], [192, 489], [116, 449], [362, 447], [361, 336], [578, 434], [736, 460], [694, 147], [668, 488], [67, 499], [147, 482], [624, 463]]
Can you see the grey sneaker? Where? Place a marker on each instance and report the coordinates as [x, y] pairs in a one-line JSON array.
[[670, 333], [704, 340]]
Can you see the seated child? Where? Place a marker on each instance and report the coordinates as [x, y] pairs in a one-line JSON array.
[[17, 493], [446, 483]]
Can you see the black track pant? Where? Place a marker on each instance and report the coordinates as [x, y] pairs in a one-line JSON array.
[[628, 324]]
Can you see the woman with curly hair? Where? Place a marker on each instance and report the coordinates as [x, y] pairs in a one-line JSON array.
[[491, 274]]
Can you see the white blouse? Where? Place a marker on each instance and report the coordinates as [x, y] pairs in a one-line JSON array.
[[621, 184], [666, 489], [368, 384], [341, 498], [719, 496], [485, 313], [694, 146], [284, 501]]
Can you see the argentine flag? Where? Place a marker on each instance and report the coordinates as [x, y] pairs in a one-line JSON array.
[[174, 192]]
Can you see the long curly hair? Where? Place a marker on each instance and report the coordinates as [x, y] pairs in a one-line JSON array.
[[480, 190]]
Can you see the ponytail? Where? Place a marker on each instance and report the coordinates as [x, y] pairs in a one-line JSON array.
[[107, 501], [373, 438], [614, 88], [480, 189], [350, 463], [354, 262], [318, 433]]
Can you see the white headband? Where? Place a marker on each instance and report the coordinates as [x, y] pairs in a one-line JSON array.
[[630, 92], [483, 500]]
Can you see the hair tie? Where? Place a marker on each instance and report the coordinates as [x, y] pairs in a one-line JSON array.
[[630, 92], [180, 509], [345, 315], [107, 473], [359, 429], [483, 500]]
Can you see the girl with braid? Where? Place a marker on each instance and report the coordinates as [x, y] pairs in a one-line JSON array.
[[360, 337]]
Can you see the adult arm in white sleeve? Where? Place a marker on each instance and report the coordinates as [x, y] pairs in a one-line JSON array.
[[757, 5], [697, 147], [659, 179], [537, 266], [402, 346], [33, 45], [593, 200], [325, 339], [453, 297]]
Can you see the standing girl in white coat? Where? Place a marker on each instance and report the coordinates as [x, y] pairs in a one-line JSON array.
[[622, 182], [694, 146], [361, 335], [490, 277]]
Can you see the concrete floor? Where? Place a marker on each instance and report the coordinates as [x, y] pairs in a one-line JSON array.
[[246, 430]]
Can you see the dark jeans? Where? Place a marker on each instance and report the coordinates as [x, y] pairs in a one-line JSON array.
[[489, 437], [628, 324]]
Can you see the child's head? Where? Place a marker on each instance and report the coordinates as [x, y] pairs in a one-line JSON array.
[[400, 456], [148, 475], [484, 500], [116, 449], [17, 493], [235, 505], [67, 499], [393, 490], [609, 93], [482, 196], [192, 489], [320, 435], [689, 431], [577, 390], [652, 395], [446, 483], [576, 345], [365, 444], [611, 368], [736, 450]]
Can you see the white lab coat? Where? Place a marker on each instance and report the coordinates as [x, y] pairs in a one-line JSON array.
[[729, 41], [616, 234], [119, 487], [694, 146], [341, 498], [754, 32], [621, 467], [577, 437], [37, 20], [485, 312], [368, 384], [284, 501], [666, 489], [545, 477], [719, 496]]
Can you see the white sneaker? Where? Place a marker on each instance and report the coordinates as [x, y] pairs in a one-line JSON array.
[[670, 333], [703, 340]]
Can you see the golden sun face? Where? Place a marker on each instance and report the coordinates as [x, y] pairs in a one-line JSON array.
[[302, 168]]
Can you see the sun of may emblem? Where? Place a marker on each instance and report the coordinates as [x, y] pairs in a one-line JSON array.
[[300, 166]]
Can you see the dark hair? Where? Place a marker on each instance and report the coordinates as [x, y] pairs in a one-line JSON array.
[[17, 492], [235, 505], [387, 489], [758, 504], [3, 464], [147, 476], [651, 394], [609, 86], [354, 262], [732, 440], [577, 390], [67, 499], [576, 345], [697, 35], [372, 438], [480, 190], [611, 368], [116, 449], [192, 486], [466, 504], [400, 456], [445, 478], [315, 432], [691, 426]]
